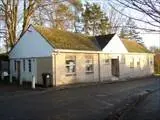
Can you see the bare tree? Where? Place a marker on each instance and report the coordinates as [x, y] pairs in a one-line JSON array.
[[11, 11], [154, 49], [116, 20], [10, 8], [61, 14], [29, 6], [151, 8], [77, 14], [18, 13]]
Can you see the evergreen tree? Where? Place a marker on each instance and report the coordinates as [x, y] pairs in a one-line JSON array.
[[129, 31], [95, 21]]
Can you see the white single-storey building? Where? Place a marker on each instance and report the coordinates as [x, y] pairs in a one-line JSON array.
[[74, 58]]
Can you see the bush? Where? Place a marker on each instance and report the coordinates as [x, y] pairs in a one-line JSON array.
[[157, 64]]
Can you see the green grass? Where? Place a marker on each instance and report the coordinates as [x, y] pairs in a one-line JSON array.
[[157, 74]]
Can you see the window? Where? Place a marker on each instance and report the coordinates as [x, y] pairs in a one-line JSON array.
[[138, 63], [15, 65], [151, 62], [24, 65], [148, 60], [89, 64], [132, 63], [71, 65], [29, 66], [123, 59], [106, 61]]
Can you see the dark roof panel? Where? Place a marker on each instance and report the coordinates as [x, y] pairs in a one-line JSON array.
[[103, 40]]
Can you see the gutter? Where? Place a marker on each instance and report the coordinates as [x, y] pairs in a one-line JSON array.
[[74, 51], [96, 52]]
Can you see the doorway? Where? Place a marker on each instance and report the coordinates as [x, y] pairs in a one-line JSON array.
[[115, 67]]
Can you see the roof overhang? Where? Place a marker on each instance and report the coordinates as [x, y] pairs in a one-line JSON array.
[[92, 52]]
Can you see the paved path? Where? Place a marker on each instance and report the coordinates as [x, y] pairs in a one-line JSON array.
[[84, 103], [149, 109]]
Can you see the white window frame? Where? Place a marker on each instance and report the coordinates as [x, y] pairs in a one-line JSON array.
[[71, 66], [132, 63], [123, 59], [107, 61], [150, 61], [89, 63], [139, 63]]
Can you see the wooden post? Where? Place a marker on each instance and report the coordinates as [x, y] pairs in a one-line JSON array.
[[10, 72], [10, 78], [33, 82], [20, 81]]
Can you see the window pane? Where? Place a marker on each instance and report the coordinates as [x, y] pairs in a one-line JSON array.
[[132, 63], [15, 65], [106, 61], [70, 64], [138, 63], [89, 68], [89, 65], [29, 66], [24, 65]]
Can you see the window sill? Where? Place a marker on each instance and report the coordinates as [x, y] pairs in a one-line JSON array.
[[131, 67], [91, 72], [71, 74], [106, 63]]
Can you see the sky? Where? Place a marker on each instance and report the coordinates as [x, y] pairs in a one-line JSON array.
[[149, 38]]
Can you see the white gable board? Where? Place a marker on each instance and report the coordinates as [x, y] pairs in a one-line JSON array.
[[115, 45], [32, 44]]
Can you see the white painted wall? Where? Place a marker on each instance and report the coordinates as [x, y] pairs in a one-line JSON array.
[[144, 69], [105, 67], [32, 44], [25, 75], [115, 45]]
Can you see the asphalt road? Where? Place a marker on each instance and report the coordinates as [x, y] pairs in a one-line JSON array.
[[84, 103], [149, 109]]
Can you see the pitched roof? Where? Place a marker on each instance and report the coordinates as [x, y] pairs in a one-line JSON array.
[[66, 40], [102, 40], [133, 46]]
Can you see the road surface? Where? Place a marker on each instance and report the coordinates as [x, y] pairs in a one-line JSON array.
[[83, 103], [149, 109]]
